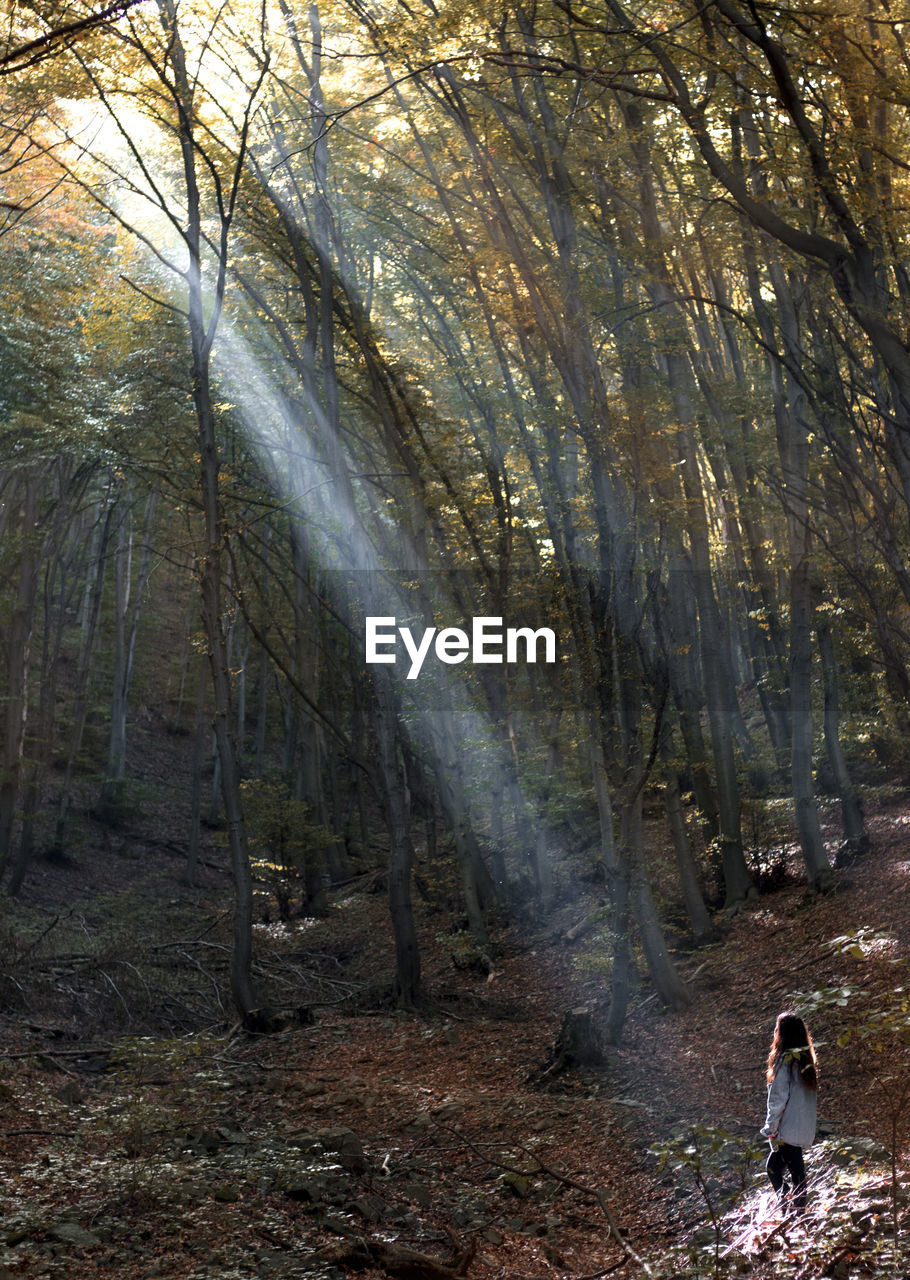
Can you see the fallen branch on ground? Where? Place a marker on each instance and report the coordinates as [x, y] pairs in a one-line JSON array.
[[596, 1193]]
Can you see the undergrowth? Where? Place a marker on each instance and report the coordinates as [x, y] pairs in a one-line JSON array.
[[741, 1228]]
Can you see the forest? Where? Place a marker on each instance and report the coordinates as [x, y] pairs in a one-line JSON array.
[[454, 509]]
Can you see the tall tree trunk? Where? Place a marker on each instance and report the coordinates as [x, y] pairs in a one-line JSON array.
[[407, 956], [678, 620], [41, 737], [128, 602], [738, 881], [855, 835], [200, 736], [18, 657], [116, 754], [793, 434], [263, 683], [720, 693], [667, 983], [617, 874], [699, 919], [91, 614], [209, 560], [793, 446]]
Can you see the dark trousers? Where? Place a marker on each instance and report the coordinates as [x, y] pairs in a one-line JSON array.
[[790, 1159]]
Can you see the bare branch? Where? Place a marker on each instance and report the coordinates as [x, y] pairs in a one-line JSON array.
[[47, 45]]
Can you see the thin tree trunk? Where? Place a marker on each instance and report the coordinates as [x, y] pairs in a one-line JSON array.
[[699, 919], [855, 836], [616, 872], [663, 973], [682, 663], [407, 956], [200, 733], [18, 655], [801, 617], [116, 754], [720, 693], [793, 437], [89, 628], [669, 986], [209, 560], [41, 738], [263, 682], [185, 663], [127, 614]]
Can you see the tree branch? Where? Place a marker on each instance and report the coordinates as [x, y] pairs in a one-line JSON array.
[[45, 46]]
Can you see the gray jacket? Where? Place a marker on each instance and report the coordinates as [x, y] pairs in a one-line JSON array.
[[791, 1107]]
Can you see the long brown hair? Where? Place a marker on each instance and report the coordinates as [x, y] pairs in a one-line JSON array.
[[793, 1043]]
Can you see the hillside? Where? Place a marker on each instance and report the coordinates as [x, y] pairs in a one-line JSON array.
[[144, 1135]]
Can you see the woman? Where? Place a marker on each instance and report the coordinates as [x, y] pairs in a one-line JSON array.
[[792, 1095]]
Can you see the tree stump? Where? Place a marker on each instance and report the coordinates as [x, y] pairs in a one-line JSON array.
[[579, 1043]]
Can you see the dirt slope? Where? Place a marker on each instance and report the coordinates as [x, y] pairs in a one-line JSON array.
[[384, 1143]]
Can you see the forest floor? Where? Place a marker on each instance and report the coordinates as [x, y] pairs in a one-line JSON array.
[[143, 1135]]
